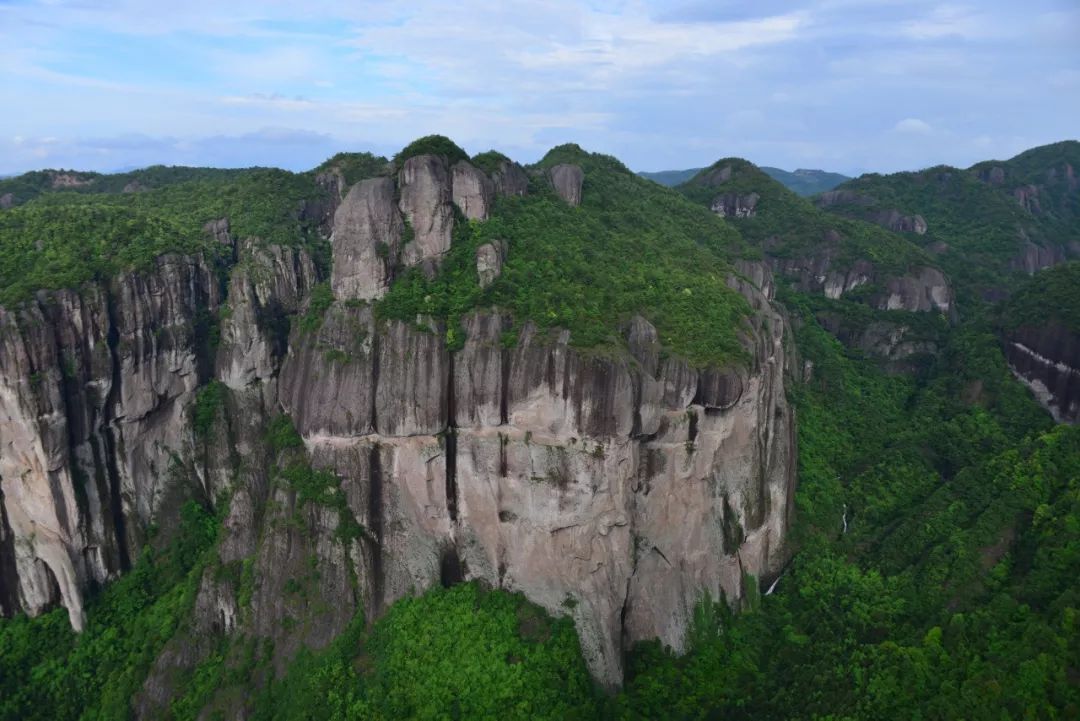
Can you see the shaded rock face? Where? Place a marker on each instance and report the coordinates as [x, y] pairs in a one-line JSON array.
[[94, 393], [510, 179], [219, 231], [424, 184], [567, 180], [489, 262], [1034, 258], [264, 289], [896, 344], [321, 210], [734, 205], [617, 489], [716, 176], [69, 180], [1047, 360], [366, 241], [818, 274], [1028, 197], [897, 222], [994, 175], [473, 191], [841, 197], [922, 290], [7, 200]]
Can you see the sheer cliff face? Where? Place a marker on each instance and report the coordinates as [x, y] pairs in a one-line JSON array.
[[616, 488], [1047, 360]]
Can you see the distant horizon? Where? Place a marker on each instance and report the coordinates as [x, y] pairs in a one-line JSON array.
[[390, 154], [849, 86]]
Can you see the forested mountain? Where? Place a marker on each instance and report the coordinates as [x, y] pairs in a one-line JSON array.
[[448, 437], [983, 224], [801, 181]]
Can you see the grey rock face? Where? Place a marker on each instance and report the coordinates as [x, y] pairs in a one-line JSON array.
[[94, 392], [489, 262], [321, 211], [567, 180], [536, 466], [263, 289], [994, 175], [510, 179], [219, 231], [426, 203], [7, 200], [473, 191], [617, 488], [1028, 197], [897, 222], [924, 289], [717, 176], [841, 197], [1034, 258], [818, 274], [327, 379], [366, 241], [734, 205], [1047, 360]]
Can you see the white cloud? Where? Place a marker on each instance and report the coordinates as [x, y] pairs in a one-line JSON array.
[[913, 126]]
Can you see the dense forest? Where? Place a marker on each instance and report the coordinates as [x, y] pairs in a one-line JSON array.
[[935, 556]]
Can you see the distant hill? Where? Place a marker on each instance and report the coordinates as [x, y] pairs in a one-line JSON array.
[[807, 182], [987, 225], [802, 181]]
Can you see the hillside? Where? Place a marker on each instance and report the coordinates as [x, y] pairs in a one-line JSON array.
[[441, 436], [987, 225], [801, 182]]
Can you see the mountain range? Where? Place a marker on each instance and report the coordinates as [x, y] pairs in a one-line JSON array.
[[448, 436]]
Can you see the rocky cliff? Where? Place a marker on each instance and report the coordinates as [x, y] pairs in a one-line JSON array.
[[616, 487], [1047, 359]]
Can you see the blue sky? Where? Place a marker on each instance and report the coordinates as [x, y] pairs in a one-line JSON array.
[[846, 85]]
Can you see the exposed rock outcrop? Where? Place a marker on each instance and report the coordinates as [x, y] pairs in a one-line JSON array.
[[1028, 197], [7, 200], [489, 262], [473, 191], [735, 205], [1033, 258], [510, 179], [920, 290], [367, 239], [818, 273], [424, 184], [264, 289], [94, 392], [567, 180], [219, 231], [897, 222], [1047, 360]]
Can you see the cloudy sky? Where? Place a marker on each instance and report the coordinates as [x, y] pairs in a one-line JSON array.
[[847, 85]]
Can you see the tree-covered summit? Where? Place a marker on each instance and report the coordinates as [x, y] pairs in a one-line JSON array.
[[789, 226]]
